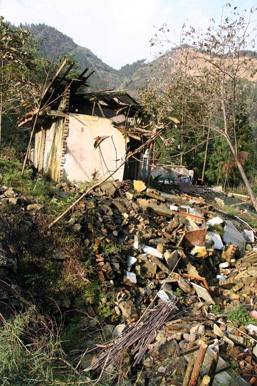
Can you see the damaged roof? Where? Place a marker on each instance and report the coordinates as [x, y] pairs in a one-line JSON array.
[[105, 103]]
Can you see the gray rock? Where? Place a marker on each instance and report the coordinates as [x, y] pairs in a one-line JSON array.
[[128, 310], [149, 269], [189, 337], [35, 207], [171, 259], [109, 187], [9, 193], [161, 351], [119, 329]]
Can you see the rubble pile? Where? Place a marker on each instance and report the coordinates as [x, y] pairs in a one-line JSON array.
[[174, 253], [168, 254]]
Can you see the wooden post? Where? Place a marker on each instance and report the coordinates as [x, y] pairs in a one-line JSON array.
[[206, 381], [213, 367], [189, 371], [198, 364]]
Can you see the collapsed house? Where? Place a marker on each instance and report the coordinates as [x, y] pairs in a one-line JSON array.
[[83, 135]]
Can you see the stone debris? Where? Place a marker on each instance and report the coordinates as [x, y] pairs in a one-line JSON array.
[[162, 256], [163, 265]]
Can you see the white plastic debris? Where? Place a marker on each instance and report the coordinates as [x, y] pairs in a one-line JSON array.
[[218, 244], [174, 207], [214, 221], [163, 296], [168, 289], [224, 265], [233, 236], [131, 260], [252, 328], [131, 277], [248, 236], [152, 251], [203, 293]]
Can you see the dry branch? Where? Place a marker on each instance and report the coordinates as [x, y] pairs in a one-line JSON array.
[[140, 335], [45, 89]]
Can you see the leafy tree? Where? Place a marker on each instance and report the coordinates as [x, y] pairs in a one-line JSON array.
[[18, 60], [225, 64], [218, 59]]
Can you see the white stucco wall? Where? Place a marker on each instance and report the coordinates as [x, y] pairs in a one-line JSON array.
[[82, 160]]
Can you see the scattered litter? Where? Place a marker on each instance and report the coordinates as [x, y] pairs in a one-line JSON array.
[[131, 277], [131, 260], [214, 221], [254, 314], [173, 207], [216, 238], [221, 277], [152, 251], [248, 236], [136, 244], [163, 296], [252, 328], [203, 293], [224, 265]]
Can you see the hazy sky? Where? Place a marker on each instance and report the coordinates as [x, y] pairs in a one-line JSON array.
[[117, 31]]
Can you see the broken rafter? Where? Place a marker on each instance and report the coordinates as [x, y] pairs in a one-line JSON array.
[[83, 73], [68, 70], [88, 76]]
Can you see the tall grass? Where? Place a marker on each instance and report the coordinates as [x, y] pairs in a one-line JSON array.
[[31, 353]]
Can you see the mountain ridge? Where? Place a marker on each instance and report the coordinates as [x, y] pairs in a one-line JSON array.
[[131, 77], [54, 44]]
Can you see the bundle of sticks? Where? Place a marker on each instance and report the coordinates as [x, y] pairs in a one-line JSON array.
[[139, 336]]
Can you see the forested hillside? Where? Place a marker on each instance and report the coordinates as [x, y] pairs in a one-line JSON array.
[[55, 44]]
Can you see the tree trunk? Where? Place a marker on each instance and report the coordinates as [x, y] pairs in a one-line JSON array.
[[1, 103], [1, 113], [206, 152], [243, 175], [247, 184]]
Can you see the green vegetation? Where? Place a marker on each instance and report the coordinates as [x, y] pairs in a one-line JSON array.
[[31, 352], [56, 274], [241, 317], [208, 97]]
